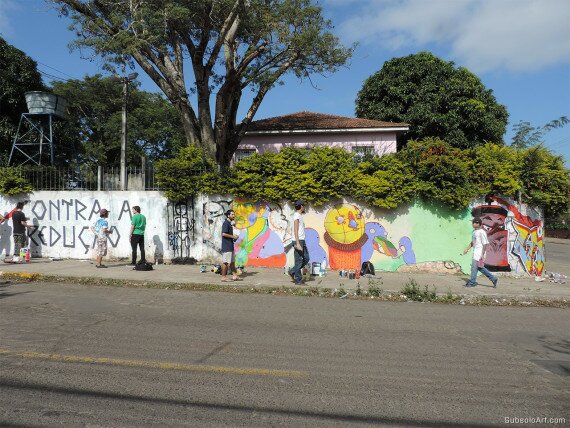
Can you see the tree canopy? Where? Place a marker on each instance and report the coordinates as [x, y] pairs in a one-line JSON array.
[[231, 45], [94, 122], [18, 75], [436, 99]]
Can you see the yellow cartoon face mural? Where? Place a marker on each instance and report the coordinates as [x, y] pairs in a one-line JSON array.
[[345, 223], [246, 213]]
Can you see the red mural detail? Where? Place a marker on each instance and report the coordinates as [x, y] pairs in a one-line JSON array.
[[278, 260]]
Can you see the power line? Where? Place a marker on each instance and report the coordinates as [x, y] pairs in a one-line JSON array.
[[53, 77], [55, 69]]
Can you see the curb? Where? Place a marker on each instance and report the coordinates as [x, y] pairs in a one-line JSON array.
[[375, 294]]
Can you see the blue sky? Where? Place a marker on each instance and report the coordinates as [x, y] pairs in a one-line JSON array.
[[519, 48]]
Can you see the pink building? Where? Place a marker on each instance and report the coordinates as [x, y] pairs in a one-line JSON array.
[[306, 129]]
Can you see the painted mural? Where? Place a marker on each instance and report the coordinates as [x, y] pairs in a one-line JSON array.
[[258, 244], [516, 240], [339, 235], [417, 237]]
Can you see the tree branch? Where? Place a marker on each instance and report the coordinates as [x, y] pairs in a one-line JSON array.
[[224, 32], [262, 92]]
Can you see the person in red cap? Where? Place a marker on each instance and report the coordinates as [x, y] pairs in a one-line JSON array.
[[101, 230]]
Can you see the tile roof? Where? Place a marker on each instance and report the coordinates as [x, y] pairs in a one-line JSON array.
[[307, 121]]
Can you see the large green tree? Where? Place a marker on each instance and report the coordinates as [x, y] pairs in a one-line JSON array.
[[436, 99], [18, 75], [230, 45], [94, 122]]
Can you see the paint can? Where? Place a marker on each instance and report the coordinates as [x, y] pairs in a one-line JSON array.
[[315, 268]]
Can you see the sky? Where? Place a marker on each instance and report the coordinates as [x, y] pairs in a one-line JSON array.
[[520, 49]]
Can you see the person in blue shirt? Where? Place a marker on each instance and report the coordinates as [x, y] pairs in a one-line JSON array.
[[101, 230]]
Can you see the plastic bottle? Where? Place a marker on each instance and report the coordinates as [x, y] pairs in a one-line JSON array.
[[28, 255]]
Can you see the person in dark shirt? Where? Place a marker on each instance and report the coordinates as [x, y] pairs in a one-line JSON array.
[[228, 255], [19, 225]]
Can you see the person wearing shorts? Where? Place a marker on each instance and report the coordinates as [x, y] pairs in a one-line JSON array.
[[228, 254], [102, 231]]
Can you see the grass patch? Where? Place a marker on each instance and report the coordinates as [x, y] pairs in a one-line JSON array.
[[414, 292]]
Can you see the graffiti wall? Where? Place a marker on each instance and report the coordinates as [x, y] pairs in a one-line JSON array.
[[515, 236], [62, 220], [340, 235], [343, 235]]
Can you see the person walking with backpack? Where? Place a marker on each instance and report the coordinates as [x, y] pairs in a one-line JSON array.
[[102, 231], [138, 226], [479, 243]]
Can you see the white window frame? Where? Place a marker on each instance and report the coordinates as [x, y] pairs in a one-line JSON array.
[[241, 154], [361, 151]]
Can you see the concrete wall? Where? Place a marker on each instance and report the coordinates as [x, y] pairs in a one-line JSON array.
[[63, 221], [342, 234]]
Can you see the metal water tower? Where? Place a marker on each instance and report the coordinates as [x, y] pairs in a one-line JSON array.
[[35, 130]]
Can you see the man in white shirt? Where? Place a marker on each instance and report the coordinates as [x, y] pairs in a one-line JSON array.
[[479, 244], [300, 248]]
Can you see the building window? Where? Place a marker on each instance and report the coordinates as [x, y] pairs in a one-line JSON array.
[[360, 152], [244, 153]]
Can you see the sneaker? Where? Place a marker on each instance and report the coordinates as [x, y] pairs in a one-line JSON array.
[[495, 282]]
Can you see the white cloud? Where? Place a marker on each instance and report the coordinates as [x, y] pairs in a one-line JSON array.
[[484, 35]]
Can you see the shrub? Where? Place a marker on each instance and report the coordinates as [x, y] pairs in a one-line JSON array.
[[413, 292], [11, 183]]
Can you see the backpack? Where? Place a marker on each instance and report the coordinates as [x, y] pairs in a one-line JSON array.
[[143, 266], [367, 269]]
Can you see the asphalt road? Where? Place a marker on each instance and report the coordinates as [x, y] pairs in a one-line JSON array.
[[558, 255], [95, 356]]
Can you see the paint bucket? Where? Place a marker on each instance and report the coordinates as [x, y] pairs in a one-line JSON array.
[[315, 268]]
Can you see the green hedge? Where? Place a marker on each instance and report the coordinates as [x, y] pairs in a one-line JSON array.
[[430, 169]]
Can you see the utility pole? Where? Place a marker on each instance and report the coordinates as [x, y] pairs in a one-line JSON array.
[[125, 81]]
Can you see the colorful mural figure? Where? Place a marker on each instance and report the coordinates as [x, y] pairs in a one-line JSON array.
[[529, 248], [316, 252], [406, 250], [529, 244], [257, 245], [344, 225], [493, 222], [373, 230], [378, 242], [504, 219]]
